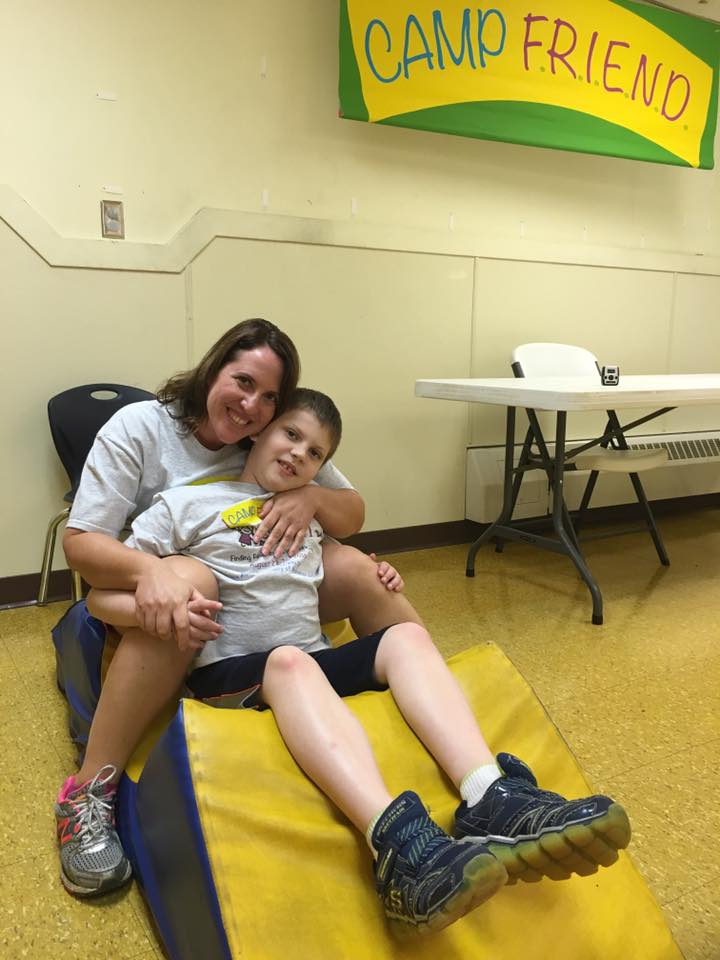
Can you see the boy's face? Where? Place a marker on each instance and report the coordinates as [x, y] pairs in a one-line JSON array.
[[289, 452]]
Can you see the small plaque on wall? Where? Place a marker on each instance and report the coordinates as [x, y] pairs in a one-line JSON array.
[[112, 219]]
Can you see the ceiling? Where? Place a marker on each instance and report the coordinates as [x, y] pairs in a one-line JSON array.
[[709, 9]]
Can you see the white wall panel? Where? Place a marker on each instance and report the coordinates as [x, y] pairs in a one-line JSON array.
[[695, 344], [622, 316], [367, 324], [62, 328]]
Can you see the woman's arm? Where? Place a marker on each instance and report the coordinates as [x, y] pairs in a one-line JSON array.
[[118, 608], [340, 513], [159, 596], [286, 517], [104, 562]]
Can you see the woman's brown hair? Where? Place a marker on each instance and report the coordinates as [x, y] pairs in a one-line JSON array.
[[188, 391]]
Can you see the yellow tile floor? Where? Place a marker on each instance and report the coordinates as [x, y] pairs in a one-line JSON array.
[[637, 700]]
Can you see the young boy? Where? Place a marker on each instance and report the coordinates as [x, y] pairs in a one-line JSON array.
[[273, 653]]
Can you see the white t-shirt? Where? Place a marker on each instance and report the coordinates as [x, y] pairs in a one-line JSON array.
[[266, 602], [140, 452]]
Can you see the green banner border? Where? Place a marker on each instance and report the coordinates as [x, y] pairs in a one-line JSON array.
[[546, 126], [705, 45], [352, 102], [566, 129]]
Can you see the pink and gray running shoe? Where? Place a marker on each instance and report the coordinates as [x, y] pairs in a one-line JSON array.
[[91, 855]]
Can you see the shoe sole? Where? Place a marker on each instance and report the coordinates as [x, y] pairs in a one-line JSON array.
[[558, 853], [105, 886], [483, 876]]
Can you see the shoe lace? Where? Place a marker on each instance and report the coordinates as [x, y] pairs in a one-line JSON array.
[[524, 788], [419, 838], [94, 809]]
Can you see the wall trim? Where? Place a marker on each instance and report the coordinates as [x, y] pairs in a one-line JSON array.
[[422, 537], [428, 536], [209, 224], [22, 590]]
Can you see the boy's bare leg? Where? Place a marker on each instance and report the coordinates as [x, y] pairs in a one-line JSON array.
[[144, 674], [431, 700], [330, 745], [351, 588], [425, 879], [554, 837], [323, 736]]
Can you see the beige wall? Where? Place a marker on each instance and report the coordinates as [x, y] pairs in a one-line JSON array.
[[217, 103], [62, 327], [364, 321]]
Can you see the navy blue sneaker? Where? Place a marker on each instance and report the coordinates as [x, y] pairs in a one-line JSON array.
[[536, 834], [425, 879]]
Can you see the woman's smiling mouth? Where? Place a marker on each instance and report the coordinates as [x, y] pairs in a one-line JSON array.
[[236, 419]]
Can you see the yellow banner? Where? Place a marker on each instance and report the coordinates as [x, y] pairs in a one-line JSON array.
[[595, 57]]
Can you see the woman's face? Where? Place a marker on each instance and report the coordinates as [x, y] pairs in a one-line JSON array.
[[243, 399]]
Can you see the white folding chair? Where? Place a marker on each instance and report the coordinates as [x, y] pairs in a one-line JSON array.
[[613, 455]]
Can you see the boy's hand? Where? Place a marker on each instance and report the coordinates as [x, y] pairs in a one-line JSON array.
[[285, 521], [201, 621], [388, 575]]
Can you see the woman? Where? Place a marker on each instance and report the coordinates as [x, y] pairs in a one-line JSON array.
[[191, 435]]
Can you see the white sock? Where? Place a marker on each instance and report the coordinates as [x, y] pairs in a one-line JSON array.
[[369, 832], [474, 785]]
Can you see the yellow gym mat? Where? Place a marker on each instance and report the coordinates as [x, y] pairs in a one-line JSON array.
[[294, 879]]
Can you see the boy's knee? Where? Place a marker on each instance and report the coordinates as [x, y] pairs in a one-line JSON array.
[[349, 564], [401, 644], [286, 661], [411, 635]]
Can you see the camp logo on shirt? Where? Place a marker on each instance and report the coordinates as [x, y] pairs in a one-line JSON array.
[[243, 514]]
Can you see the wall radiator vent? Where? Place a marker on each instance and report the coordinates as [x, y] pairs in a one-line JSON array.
[[691, 449], [693, 469]]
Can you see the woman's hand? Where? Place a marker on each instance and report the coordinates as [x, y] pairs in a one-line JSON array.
[[388, 575], [161, 608], [285, 521]]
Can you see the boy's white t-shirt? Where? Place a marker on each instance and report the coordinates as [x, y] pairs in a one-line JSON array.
[[140, 452], [266, 602]]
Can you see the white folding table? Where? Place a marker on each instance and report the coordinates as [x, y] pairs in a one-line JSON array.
[[563, 395]]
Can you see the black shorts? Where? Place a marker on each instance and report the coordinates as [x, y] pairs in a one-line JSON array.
[[237, 681]]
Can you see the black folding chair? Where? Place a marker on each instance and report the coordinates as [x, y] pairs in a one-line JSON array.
[[75, 417]]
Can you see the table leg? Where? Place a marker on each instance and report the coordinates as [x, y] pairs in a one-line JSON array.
[[508, 500], [622, 443], [516, 484], [560, 518], [549, 469]]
